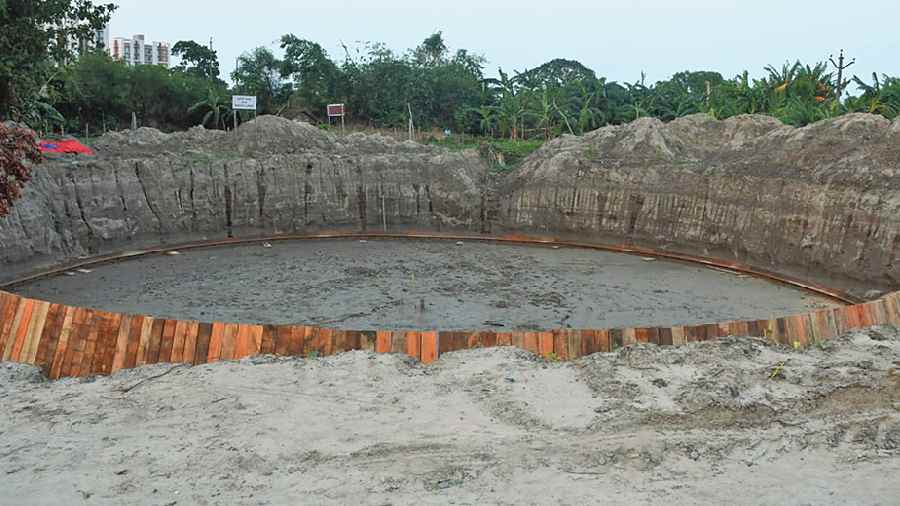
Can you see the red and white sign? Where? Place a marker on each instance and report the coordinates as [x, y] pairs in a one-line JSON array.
[[335, 110]]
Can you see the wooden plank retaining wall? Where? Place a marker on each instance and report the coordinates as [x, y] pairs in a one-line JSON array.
[[66, 341]]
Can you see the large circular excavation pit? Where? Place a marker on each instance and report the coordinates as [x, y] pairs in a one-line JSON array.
[[422, 284]]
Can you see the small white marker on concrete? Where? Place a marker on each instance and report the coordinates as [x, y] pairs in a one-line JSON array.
[[69, 273], [459, 243], [173, 253], [363, 241], [84, 271], [648, 259], [556, 247], [267, 245]]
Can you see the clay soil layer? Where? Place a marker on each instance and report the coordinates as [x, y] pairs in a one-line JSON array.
[[397, 284]]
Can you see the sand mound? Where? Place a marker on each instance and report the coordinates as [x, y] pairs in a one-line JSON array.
[[644, 425], [273, 134]]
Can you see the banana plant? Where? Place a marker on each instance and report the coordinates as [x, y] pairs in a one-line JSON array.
[[216, 109]]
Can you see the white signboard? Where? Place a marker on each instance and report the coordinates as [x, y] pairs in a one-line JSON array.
[[243, 103]]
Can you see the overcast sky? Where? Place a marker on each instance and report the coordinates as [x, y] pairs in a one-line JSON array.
[[616, 39]]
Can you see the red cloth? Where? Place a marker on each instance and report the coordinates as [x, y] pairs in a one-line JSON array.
[[65, 146]]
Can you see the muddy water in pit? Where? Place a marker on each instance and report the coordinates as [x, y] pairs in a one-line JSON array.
[[381, 284]]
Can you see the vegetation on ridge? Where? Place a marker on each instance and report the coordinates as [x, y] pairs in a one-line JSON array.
[[46, 86]]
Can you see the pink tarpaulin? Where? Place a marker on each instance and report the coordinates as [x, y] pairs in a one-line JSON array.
[[65, 146]]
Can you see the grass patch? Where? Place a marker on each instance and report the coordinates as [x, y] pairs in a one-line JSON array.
[[503, 154]]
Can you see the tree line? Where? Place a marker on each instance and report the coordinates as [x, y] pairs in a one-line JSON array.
[[49, 89]]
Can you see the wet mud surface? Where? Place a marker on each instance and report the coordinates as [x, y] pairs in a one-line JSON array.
[[397, 284]]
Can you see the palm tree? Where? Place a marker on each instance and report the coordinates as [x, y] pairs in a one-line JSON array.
[[216, 106]]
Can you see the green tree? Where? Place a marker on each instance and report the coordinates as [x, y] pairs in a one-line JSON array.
[[35, 36], [258, 73], [95, 91], [317, 79], [197, 59], [432, 51]]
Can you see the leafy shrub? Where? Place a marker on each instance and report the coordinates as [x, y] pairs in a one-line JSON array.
[[18, 150]]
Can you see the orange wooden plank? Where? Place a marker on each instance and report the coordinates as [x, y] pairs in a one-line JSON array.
[[167, 343], [79, 342], [190, 342], [229, 341], [429, 346], [517, 339], [367, 340], [216, 342], [327, 337], [35, 331], [267, 346], [133, 341], [7, 318], [256, 337], [178, 338], [112, 322], [350, 340], [154, 341], [121, 346], [398, 342], [504, 339], [50, 338], [532, 343], [304, 340], [5, 300], [576, 344], [545, 344], [339, 341], [72, 342], [204, 334], [414, 345], [282, 343], [779, 331], [62, 344], [383, 341], [560, 344], [243, 345], [665, 336], [487, 338], [628, 337], [143, 351], [20, 328], [92, 330]]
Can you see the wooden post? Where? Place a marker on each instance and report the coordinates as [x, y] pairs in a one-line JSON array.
[[133, 120], [383, 213], [234, 125], [412, 127]]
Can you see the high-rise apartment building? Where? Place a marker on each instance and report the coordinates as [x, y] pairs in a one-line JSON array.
[[99, 40], [137, 51]]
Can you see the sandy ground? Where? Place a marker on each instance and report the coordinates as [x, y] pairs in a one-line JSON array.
[[728, 422], [382, 284]]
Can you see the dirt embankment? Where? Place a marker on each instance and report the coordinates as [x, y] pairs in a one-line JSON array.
[[820, 202], [733, 421], [820, 199]]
